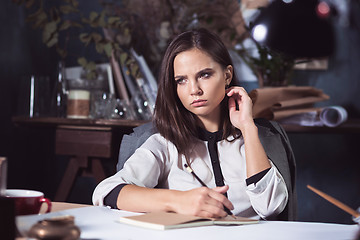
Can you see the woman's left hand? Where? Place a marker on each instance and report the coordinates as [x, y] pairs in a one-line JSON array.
[[242, 116]]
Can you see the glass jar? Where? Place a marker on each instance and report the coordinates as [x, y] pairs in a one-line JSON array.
[[59, 96], [78, 102]]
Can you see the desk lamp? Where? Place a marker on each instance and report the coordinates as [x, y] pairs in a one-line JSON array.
[[297, 28]]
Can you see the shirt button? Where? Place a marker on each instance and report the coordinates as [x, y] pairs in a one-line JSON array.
[[211, 137]]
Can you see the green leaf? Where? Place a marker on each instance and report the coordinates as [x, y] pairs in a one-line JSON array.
[[94, 19], [85, 20], [49, 30], [93, 16], [82, 61], [116, 46], [134, 70], [124, 38], [102, 22], [108, 49], [85, 38], [66, 9], [96, 37], [113, 20], [65, 25], [40, 21], [123, 56], [68, 24], [39, 18], [99, 47], [53, 40], [91, 66]]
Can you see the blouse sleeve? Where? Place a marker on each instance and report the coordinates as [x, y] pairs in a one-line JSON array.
[[143, 168], [269, 195]]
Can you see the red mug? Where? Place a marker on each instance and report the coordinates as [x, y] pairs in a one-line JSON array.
[[27, 201]]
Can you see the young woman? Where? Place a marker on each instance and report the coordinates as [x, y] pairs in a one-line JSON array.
[[205, 122]]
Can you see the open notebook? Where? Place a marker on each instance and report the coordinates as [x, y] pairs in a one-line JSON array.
[[167, 220]]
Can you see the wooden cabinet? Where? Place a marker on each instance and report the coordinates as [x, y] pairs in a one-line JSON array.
[[86, 142]]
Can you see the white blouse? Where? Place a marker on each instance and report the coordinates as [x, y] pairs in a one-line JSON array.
[[157, 163]]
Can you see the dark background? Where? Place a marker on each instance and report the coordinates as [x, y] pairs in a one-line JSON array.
[[328, 161]]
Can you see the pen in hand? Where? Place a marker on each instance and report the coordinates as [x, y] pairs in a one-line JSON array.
[[204, 185]]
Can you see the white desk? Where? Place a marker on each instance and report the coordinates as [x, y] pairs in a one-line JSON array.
[[100, 223]]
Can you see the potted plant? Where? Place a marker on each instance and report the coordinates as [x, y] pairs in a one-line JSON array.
[[273, 69], [147, 26]]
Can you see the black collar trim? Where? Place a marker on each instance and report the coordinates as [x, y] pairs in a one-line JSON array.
[[205, 135]]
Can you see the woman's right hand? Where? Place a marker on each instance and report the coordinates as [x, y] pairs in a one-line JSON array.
[[203, 202]]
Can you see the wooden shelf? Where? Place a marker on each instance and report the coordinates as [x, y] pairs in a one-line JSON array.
[[351, 126], [52, 121]]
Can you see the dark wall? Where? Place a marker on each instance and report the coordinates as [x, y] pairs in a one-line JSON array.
[[341, 81], [22, 54], [329, 162], [30, 151]]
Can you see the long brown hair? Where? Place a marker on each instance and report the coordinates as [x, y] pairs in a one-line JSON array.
[[173, 121]]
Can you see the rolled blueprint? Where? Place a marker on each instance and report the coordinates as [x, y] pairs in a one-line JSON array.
[[333, 116]]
